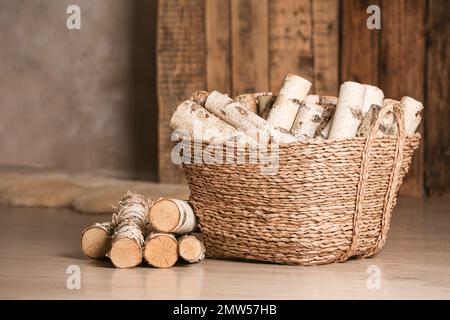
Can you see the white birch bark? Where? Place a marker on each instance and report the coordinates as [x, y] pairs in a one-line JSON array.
[[248, 101], [285, 108], [203, 126], [308, 118], [372, 95], [412, 114], [329, 107], [348, 112]]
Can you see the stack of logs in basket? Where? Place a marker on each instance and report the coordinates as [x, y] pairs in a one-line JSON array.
[[160, 232], [290, 116]]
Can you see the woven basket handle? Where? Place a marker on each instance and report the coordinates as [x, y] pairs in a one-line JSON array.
[[393, 180]]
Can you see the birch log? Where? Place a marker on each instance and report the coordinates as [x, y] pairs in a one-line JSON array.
[[412, 114], [96, 240], [368, 121], [199, 124], [348, 112], [329, 107], [388, 123], [172, 216], [308, 118], [285, 108], [244, 120], [255, 126], [248, 101], [372, 95], [130, 220], [216, 104], [265, 103], [161, 250], [191, 248], [199, 97]]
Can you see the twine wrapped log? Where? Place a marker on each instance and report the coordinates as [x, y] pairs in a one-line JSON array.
[[372, 95], [96, 240], [265, 103], [130, 220], [293, 90], [348, 112], [192, 119], [329, 106], [161, 250], [199, 97], [308, 118], [248, 101], [172, 216], [246, 121], [191, 248]]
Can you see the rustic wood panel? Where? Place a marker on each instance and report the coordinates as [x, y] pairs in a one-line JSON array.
[[249, 38], [402, 66], [359, 45], [218, 45], [181, 69], [325, 22], [437, 162], [290, 40]]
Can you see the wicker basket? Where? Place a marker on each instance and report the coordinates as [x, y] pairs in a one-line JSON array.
[[330, 201]]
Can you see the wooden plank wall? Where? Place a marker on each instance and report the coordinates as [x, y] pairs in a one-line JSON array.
[[437, 121], [251, 44], [181, 69]]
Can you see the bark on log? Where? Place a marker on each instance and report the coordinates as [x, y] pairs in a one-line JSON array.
[[285, 108], [348, 113], [308, 118], [96, 240], [172, 216]]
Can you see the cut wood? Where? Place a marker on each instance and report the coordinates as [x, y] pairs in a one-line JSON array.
[[96, 240], [368, 121], [285, 108], [199, 97], [255, 126], [216, 104], [102, 200], [161, 250], [248, 101], [388, 123], [191, 248], [412, 114], [194, 122], [172, 215], [329, 106], [348, 112], [372, 95], [308, 118], [128, 239], [265, 103], [246, 121]]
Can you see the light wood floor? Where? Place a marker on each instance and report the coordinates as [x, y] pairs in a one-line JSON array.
[[37, 246]]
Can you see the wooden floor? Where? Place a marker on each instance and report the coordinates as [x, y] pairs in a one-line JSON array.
[[38, 245]]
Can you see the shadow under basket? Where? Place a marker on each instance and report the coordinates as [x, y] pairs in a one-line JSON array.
[[329, 201]]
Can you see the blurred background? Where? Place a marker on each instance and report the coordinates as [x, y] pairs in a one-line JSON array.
[[99, 99]]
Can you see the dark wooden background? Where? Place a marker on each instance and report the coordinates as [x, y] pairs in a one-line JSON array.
[[238, 46]]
